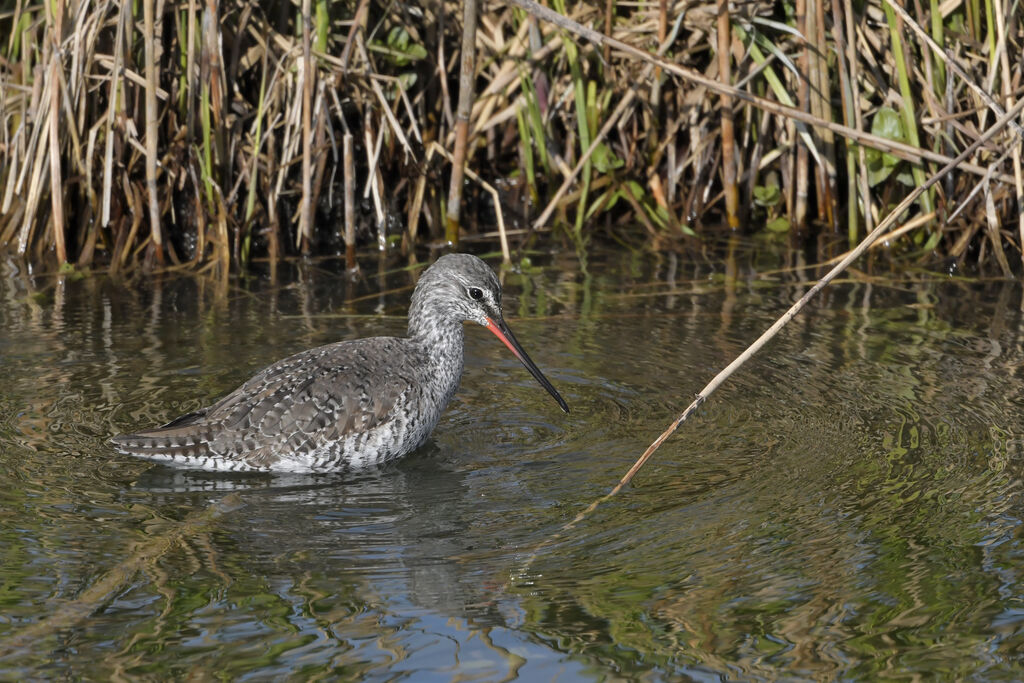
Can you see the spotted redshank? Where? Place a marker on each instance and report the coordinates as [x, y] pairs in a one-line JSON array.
[[347, 404]]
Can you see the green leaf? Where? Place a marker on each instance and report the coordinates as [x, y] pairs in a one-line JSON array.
[[635, 189], [604, 159], [767, 195], [407, 80], [599, 203], [614, 199], [887, 123], [906, 177], [780, 224], [933, 240], [399, 48]]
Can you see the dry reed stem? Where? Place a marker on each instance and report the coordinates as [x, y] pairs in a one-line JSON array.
[[858, 123], [801, 163], [106, 97], [374, 183], [306, 206], [56, 177], [415, 208], [35, 187], [130, 75], [467, 71], [396, 127], [994, 235], [112, 104], [190, 70], [821, 107], [151, 129], [348, 159], [729, 187], [846, 90]]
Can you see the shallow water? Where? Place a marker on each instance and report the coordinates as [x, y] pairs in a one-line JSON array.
[[847, 506]]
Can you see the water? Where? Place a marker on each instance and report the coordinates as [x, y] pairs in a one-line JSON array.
[[847, 506]]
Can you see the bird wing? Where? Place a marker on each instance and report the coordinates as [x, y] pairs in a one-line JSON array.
[[294, 405]]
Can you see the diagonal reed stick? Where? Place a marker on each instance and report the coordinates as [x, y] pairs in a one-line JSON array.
[[720, 378]]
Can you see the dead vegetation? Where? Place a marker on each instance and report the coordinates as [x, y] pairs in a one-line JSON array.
[[204, 134]]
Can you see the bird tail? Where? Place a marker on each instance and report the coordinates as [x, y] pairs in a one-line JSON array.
[[181, 439]]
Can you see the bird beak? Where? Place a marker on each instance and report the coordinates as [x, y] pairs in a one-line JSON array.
[[502, 332]]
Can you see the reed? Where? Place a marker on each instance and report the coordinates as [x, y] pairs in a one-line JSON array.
[[213, 133]]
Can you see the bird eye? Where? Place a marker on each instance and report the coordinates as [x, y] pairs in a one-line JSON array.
[[476, 293]]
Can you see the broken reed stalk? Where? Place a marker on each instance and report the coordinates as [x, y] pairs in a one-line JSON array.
[[306, 209], [846, 88], [349, 174], [254, 168], [462, 112], [801, 152], [858, 123], [729, 187], [56, 177], [151, 129], [756, 346], [821, 107]]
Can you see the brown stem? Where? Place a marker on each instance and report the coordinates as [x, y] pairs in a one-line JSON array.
[[348, 159], [306, 211], [732, 195], [56, 189], [466, 79], [821, 107], [152, 116], [803, 90]]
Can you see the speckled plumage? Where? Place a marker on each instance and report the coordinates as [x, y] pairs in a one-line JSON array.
[[347, 404]]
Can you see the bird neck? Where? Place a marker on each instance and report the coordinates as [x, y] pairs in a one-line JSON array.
[[439, 342], [436, 334], [434, 331]]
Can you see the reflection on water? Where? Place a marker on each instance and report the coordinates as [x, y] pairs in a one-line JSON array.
[[848, 505]]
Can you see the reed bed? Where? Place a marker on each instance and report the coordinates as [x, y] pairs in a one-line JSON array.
[[206, 134]]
